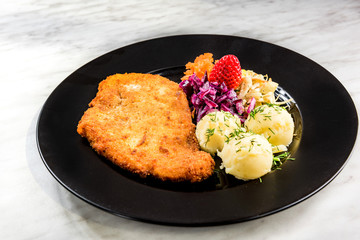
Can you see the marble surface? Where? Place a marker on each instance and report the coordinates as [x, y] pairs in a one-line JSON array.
[[42, 42]]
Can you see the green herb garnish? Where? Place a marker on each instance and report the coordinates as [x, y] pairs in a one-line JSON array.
[[279, 159], [271, 131], [209, 133]]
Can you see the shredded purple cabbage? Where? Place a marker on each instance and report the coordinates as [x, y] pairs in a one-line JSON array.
[[205, 97]]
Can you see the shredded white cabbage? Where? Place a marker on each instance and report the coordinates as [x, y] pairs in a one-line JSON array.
[[259, 86]]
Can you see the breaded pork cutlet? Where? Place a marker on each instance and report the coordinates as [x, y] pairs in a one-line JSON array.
[[142, 123]]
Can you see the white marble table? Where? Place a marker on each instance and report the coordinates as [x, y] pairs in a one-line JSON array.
[[42, 42]]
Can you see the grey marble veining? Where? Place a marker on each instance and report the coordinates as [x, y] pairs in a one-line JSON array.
[[42, 42]]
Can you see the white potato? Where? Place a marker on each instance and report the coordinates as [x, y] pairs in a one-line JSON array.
[[212, 129], [247, 156], [273, 122]]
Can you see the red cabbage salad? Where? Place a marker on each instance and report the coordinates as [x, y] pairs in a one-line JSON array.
[[205, 97]]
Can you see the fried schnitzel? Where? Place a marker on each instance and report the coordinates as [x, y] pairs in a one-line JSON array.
[[142, 123]]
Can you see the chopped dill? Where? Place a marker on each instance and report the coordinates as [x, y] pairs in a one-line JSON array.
[[267, 117], [276, 107], [235, 134], [227, 140], [220, 130], [279, 159], [255, 111], [251, 144], [209, 133], [271, 131], [212, 117]]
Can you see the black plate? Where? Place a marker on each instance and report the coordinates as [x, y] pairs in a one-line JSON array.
[[329, 126]]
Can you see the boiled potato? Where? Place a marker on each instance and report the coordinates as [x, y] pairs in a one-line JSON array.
[[247, 156], [212, 129], [273, 122]]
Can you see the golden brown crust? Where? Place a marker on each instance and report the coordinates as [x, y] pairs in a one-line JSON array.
[[142, 123]]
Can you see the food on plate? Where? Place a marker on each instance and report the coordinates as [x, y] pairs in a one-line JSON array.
[[227, 70], [202, 64], [236, 109], [273, 122], [142, 123], [212, 130], [205, 97], [257, 86], [247, 156]]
